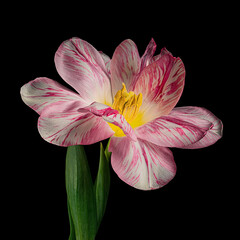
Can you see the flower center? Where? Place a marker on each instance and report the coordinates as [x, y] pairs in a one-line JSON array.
[[127, 104]]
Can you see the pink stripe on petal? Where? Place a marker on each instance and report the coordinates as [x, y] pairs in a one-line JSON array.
[[197, 115], [112, 116], [169, 131], [43, 92], [163, 52], [146, 59], [83, 67], [141, 164], [125, 65], [71, 127], [107, 61], [161, 84]]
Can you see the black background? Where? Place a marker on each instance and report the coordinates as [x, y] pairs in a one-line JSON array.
[[196, 201]]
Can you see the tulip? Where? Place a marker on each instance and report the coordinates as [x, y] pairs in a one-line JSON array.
[[128, 98]]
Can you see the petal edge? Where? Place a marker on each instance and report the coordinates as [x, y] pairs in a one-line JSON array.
[[83, 67], [111, 116], [43, 92], [161, 84], [141, 164], [212, 135], [173, 131]]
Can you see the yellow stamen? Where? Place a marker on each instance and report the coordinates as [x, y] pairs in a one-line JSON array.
[[127, 104]]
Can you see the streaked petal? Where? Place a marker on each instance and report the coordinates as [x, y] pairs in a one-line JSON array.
[[173, 131], [66, 126], [42, 92], [83, 67], [161, 84], [125, 65], [213, 134], [141, 164], [111, 116], [162, 53], [146, 59], [107, 61]]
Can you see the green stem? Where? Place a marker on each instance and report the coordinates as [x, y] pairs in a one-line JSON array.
[[102, 185], [107, 153], [80, 195], [86, 201]]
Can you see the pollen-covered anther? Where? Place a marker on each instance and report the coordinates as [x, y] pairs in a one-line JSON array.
[[127, 103]]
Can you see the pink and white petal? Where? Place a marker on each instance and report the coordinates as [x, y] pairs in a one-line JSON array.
[[70, 127], [212, 135], [141, 164], [125, 66], [146, 59], [161, 84], [107, 61], [111, 116], [162, 53], [43, 92], [173, 131], [83, 67]]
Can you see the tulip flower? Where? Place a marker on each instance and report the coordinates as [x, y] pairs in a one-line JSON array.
[[128, 98]]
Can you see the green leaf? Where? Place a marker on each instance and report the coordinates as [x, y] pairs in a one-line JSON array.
[[72, 229], [102, 185], [80, 194]]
